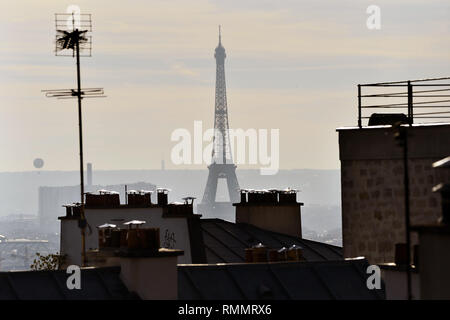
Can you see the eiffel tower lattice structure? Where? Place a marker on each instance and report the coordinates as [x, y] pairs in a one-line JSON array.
[[222, 166]]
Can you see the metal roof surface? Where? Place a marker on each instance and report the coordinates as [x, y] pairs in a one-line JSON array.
[[96, 284], [324, 280], [225, 242]]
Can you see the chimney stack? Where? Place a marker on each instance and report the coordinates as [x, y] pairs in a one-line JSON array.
[[273, 210], [163, 196], [145, 268], [244, 195], [104, 199], [139, 198]]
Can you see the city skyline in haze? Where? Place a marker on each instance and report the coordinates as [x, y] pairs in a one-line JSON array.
[[291, 65]]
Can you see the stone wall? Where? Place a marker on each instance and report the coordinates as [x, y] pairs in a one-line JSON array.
[[373, 208], [373, 213]]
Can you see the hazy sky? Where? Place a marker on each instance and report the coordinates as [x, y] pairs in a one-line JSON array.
[[291, 65]]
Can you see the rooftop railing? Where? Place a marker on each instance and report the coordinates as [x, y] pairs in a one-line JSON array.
[[426, 99]]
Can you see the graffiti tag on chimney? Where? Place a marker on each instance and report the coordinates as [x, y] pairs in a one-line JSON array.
[[169, 239]]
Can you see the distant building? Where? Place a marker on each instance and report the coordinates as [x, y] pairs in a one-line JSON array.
[[18, 254], [89, 174]]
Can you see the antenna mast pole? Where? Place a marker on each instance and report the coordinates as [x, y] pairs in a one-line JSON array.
[[74, 37], [80, 133]]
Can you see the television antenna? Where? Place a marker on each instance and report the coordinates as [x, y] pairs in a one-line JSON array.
[[72, 39]]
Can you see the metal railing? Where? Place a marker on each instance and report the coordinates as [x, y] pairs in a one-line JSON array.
[[421, 99]]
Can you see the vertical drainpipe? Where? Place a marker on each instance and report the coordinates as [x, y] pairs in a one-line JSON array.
[[410, 104], [359, 106]]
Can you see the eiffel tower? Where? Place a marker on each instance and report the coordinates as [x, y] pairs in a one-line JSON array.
[[222, 166]]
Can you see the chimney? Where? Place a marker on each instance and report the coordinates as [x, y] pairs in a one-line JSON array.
[[273, 210], [244, 195], [151, 276], [163, 195], [89, 174], [104, 199], [139, 199], [145, 268], [260, 253]]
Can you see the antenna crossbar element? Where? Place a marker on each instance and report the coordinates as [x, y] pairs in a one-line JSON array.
[[73, 93], [72, 21]]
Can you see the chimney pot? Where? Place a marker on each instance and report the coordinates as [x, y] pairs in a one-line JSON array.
[[163, 197], [243, 196]]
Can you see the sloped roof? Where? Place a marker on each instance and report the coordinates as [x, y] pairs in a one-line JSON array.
[[225, 242], [96, 284], [324, 280]]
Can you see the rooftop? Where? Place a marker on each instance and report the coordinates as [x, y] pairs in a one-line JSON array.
[[324, 280], [96, 284], [225, 242], [415, 125]]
